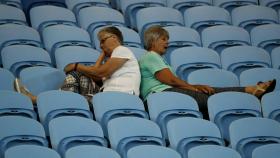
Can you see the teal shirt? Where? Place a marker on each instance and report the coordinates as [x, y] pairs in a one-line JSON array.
[[150, 63]]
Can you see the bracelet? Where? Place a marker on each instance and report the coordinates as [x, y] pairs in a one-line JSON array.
[[76, 65]]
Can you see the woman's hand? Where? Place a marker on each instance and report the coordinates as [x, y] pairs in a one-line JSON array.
[[69, 67], [203, 89]]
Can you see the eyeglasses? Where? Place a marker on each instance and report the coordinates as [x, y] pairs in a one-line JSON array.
[[105, 38]]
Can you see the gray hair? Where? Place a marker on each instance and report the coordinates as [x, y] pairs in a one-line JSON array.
[[152, 34], [112, 30]]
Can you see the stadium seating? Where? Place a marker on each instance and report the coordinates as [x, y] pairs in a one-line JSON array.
[[6, 80], [275, 58], [231, 4], [77, 5], [275, 4], [183, 5], [152, 151], [212, 151], [138, 52], [270, 106], [13, 3], [9, 14], [270, 150]]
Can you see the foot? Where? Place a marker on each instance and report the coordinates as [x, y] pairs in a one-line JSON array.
[[263, 87]]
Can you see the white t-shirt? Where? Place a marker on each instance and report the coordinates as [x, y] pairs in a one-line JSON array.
[[128, 77]]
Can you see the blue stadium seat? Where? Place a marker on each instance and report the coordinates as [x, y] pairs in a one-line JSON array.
[[138, 52], [152, 151], [127, 132], [31, 151], [13, 103], [91, 151], [131, 7], [75, 54], [239, 58], [212, 151], [219, 78], [250, 16], [229, 5], [275, 58], [56, 103], [187, 132], [226, 107], [183, 5], [6, 80], [17, 57], [266, 36], [41, 78], [269, 151], [119, 105], [270, 105], [187, 59], [116, 4], [13, 3], [20, 130], [180, 36], [9, 14], [165, 106], [70, 131], [249, 133], [224, 36], [275, 4], [202, 17], [47, 15]]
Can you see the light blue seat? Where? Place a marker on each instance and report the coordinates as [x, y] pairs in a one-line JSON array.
[[57, 36], [224, 36], [77, 5], [41, 78], [131, 7], [187, 132], [56, 103], [6, 80], [128, 132], [31, 151], [183, 5], [219, 78], [275, 58], [70, 131], [249, 133], [270, 105], [91, 151], [212, 151], [268, 151], [180, 36], [275, 4], [13, 103], [75, 54], [250, 16], [48, 15], [231, 4], [266, 36], [202, 17], [17, 57], [13, 3], [9, 14], [253, 76], [120, 104], [239, 58], [162, 16], [20, 130], [116, 4], [187, 59], [138, 52], [226, 107], [165, 106], [142, 151]]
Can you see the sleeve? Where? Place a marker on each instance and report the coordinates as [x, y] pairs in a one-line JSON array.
[[155, 63], [122, 52]]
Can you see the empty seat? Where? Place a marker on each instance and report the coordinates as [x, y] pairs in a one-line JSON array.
[[13, 103], [275, 58], [270, 105], [9, 14], [275, 4], [249, 133], [152, 151], [40, 78], [120, 104], [140, 132], [6, 80], [131, 7], [212, 151], [269, 151], [47, 15], [219, 78], [240, 58], [91, 151], [180, 36], [31, 151], [165, 106], [116, 4], [161, 16], [138, 52], [17, 57], [266, 36], [13, 3], [187, 132], [77, 5], [226, 107], [70, 131], [183, 5], [250, 16], [20, 130], [231, 4], [202, 17], [224, 36], [187, 59], [75, 54]]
